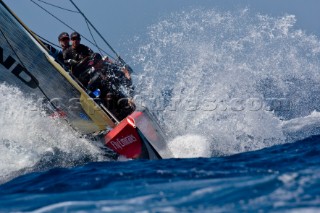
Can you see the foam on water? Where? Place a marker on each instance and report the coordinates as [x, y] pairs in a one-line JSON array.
[[28, 137], [190, 146], [234, 79]]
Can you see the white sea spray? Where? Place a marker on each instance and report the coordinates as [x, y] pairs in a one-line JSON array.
[[232, 78]]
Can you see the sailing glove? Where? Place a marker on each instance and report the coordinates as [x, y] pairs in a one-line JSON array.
[[72, 62]]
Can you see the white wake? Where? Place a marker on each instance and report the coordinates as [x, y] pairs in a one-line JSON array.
[[29, 136]]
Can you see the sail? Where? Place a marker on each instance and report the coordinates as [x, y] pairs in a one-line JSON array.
[[25, 63]]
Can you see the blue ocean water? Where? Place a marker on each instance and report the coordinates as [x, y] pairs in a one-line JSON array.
[[236, 94], [283, 178]]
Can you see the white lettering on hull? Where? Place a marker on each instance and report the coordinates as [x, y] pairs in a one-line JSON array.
[[123, 142]]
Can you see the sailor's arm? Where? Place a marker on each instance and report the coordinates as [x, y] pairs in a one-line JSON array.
[[68, 60]]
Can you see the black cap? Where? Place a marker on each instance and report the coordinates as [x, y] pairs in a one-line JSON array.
[[63, 35], [75, 35]]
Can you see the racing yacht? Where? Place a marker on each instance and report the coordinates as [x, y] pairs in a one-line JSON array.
[[26, 63]]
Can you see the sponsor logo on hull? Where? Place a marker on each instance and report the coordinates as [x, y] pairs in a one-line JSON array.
[[19, 71], [123, 142]]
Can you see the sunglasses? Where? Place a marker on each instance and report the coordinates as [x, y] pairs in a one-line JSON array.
[[75, 39]]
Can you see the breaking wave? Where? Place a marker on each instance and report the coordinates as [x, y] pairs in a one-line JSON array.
[[32, 141], [236, 80]]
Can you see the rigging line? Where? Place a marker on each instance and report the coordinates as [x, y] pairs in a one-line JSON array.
[[22, 64], [121, 60], [49, 42], [57, 6], [69, 26], [92, 36]]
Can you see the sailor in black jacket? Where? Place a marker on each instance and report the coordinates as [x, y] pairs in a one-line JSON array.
[[76, 52]]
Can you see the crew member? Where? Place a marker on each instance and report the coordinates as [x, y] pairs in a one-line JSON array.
[[76, 52], [64, 40]]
